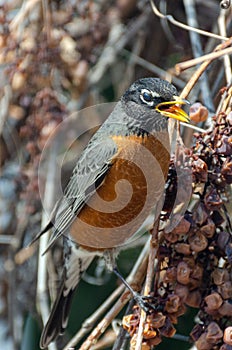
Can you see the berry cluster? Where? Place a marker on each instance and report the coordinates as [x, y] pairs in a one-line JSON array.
[[194, 259]]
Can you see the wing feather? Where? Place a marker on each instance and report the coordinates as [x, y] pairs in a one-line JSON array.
[[87, 175]]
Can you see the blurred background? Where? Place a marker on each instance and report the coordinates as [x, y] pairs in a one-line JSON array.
[[58, 57]]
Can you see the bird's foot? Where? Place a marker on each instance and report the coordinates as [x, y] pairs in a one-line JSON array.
[[142, 302]]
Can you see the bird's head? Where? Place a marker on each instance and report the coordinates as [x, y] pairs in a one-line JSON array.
[[157, 95]]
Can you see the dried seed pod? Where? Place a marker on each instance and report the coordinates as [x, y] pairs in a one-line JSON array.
[[212, 200], [200, 170], [225, 146], [198, 113], [214, 333], [149, 332], [157, 319], [190, 260], [194, 298], [225, 289], [227, 337], [182, 291], [226, 309], [130, 323], [154, 341], [171, 237], [197, 272], [183, 248], [209, 229], [213, 301], [220, 276], [202, 343], [183, 273], [226, 347], [168, 330], [198, 242], [170, 274], [173, 303], [223, 240], [182, 228], [226, 171], [193, 283], [196, 332]]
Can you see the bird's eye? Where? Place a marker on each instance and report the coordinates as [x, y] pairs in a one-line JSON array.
[[147, 97]]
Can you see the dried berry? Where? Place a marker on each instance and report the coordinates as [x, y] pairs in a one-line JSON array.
[[167, 330], [213, 333], [183, 273], [225, 289], [198, 242], [212, 200], [226, 309], [183, 248], [220, 276], [227, 337], [213, 301], [173, 303], [193, 298], [202, 343], [209, 229]]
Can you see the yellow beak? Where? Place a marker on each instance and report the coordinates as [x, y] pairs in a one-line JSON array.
[[172, 109]]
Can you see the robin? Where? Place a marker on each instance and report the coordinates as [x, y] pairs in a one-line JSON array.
[[116, 184]]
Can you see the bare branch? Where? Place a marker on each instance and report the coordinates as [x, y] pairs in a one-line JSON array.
[[172, 20]]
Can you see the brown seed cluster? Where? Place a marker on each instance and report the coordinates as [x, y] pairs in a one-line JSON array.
[[194, 259]]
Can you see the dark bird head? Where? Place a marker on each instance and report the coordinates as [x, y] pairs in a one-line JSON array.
[[156, 94]]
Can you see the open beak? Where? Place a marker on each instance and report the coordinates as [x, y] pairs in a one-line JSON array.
[[172, 109]]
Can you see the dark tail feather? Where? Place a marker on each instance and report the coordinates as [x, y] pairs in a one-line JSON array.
[[58, 318], [48, 226], [45, 229]]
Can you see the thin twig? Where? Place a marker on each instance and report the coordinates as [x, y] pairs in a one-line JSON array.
[[222, 30], [172, 20], [191, 13], [180, 67], [135, 277], [148, 282], [194, 78], [50, 191]]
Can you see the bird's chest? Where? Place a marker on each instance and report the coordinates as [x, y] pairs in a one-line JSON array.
[[131, 188]]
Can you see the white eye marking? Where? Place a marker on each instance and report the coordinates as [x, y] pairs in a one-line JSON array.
[[147, 96]]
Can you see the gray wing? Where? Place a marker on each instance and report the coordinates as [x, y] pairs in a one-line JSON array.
[[87, 175]]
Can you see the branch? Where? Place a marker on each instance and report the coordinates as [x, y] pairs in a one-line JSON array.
[[50, 191], [148, 283], [172, 20], [202, 68], [180, 67]]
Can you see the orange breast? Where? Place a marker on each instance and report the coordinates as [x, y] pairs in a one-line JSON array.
[[131, 188]]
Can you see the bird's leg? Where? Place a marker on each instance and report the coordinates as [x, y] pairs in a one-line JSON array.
[[141, 301], [110, 257]]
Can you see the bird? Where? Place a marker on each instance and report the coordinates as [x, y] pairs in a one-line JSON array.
[[117, 182]]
